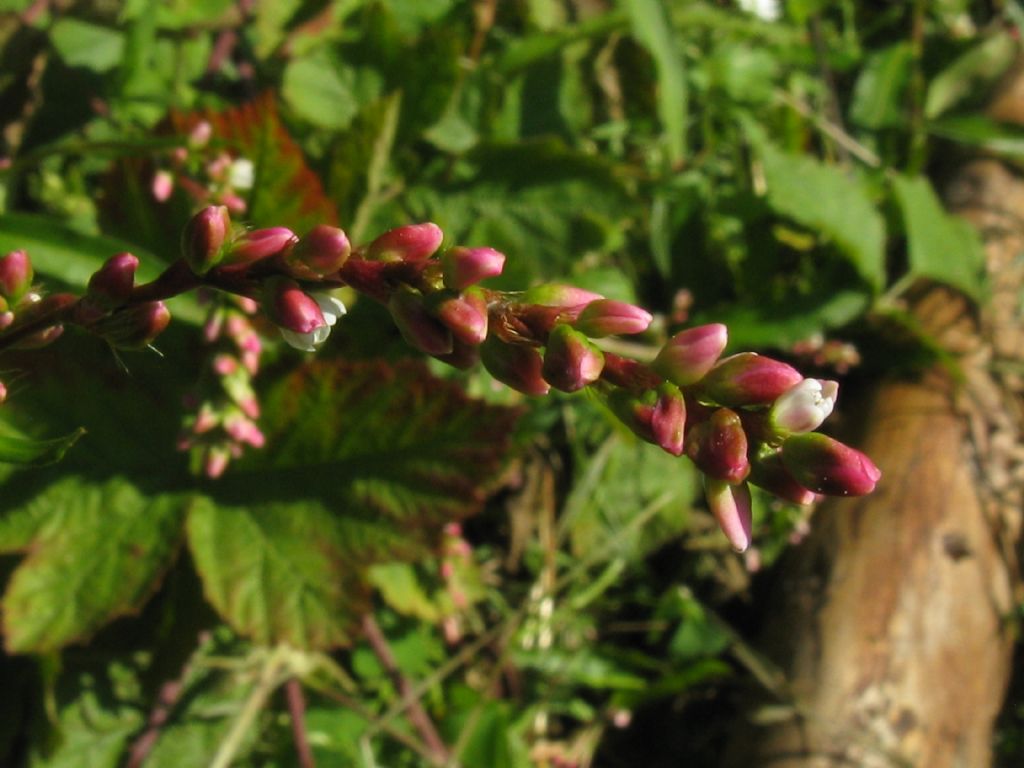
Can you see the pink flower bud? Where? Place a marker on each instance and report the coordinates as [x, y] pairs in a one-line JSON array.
[[413, 242], [464, 315], [554, 295], [571, 361], [203, 240], [803, 407], [162, 186], [690, 354], [463, 356], [216, 462], [464, 267], [515, 365], [256, 245], [767, 472], [320, 252], [605, 317], [15, 276], [288, 306], [417, 326], [824, 465], [633, 411], [3, 392], [134, 327], [718, 447], [748, 379], [730, 504], [111, 285], [668, 419], [200, 135]]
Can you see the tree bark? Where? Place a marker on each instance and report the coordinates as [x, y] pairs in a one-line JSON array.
[[891, 619]]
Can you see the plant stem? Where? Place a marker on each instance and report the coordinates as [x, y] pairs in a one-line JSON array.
[[417, 715], [269, 680], [166, 699], [297, 710]]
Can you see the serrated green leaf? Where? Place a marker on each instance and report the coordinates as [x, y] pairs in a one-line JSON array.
[[620, 481], [96, 552], [16, 448], [942, 247], [278, 572], [365, 463], [82, 44], [537, 201], [831, 202]]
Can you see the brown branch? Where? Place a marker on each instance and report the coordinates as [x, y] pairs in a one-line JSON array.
[[297, 712], [417, 715], [166, 699]]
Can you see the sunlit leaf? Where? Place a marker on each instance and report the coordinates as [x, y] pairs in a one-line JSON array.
[[96, 553], [941, 246], [831, 202]]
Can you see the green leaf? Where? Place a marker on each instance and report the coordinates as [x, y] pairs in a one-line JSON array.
[[982, 132], [326, 93], [969, 73], [780, 325], [16, 448], [652, 29], [82, 44], [618, 482], [278, 572], [96, 552], [401, 589], [537, 201], [942, 247], [831, 202], [523, 52], [365, 463], [878, 95]]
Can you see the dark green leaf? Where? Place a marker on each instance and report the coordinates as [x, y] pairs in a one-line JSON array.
[[365, 463], [651, 27], [982, 132], [969, 73], [16, 448], [878, 96]]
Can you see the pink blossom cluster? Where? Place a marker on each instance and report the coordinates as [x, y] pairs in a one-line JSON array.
[[740, 419]]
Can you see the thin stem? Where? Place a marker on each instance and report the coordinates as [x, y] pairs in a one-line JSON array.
[[269, 680], [918, 130], [417, 715], [297, 712], [167, 698]]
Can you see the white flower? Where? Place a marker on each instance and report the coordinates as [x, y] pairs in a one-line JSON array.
[[767, 10], [331, 308], [803, 407], [242, 173]]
